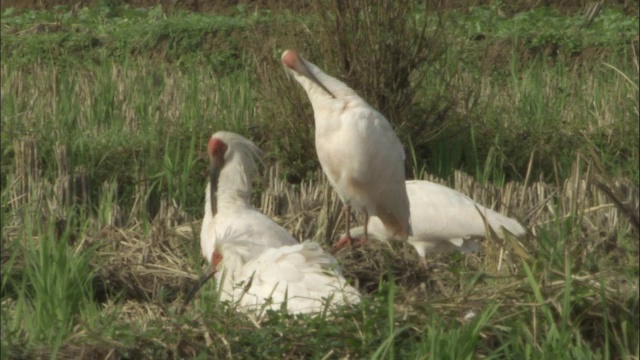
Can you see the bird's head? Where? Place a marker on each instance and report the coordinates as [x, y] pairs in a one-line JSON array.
[[315, 82], [232, 165]]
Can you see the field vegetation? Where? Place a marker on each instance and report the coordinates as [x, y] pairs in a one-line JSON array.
[[106, 112]]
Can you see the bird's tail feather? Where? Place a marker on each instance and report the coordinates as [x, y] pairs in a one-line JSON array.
[[397, 229]]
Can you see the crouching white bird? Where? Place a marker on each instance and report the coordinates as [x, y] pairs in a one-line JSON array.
[[357, 148], [257, 263], [444, 220], [233, 165]]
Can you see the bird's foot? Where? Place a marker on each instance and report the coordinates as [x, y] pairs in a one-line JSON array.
[[424, 263], [347, 240], [362, 241], [342, 242]]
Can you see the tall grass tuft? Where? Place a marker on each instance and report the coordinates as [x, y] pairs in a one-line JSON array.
[[53, 287]]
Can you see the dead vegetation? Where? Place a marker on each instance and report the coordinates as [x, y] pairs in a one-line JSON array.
[[143, 268], [582, 242], [142, 273]]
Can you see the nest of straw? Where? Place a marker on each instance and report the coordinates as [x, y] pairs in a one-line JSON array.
[[145, 268]]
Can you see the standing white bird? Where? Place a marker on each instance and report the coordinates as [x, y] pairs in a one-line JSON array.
[[257, 263], [444, 220], [357, 148]]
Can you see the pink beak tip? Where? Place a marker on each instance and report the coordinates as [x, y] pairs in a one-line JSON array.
[[290, 58]]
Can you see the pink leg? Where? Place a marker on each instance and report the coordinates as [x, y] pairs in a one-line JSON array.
[[346, 239], [347, 214], [365, 239]]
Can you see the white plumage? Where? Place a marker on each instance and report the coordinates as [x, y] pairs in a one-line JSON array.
[[357, 148], [235, 217], [303, 275], [444, 220], [257, 263]]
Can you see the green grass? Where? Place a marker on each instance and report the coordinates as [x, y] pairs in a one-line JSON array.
[[542, 26], [55, 288], [105, 115]]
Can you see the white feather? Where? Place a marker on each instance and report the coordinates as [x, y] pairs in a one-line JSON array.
[[258, 252], [357, 148], [444, 220], [236, 218], [303, 275]]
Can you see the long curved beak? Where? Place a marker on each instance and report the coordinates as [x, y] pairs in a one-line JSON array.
[[294, 62], [203, 279], [214, 175], [304, 71]]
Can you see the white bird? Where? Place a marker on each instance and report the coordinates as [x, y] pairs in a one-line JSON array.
[[444, 220], [257, 263], [227, 210], [357, 148]]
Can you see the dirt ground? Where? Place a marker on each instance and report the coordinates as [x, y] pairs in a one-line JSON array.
[[630, 6]]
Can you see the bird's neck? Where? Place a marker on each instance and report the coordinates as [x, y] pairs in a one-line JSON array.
[[329, 108], [317, 94], [234, 187], [228, 197], [337, 88], [232, 198]]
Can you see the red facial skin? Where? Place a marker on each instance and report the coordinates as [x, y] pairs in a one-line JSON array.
[[216, 148], [215, 259]]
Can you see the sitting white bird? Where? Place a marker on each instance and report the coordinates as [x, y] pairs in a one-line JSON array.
[[444, 220], [257, 263], [227, 211], [357, 148]]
